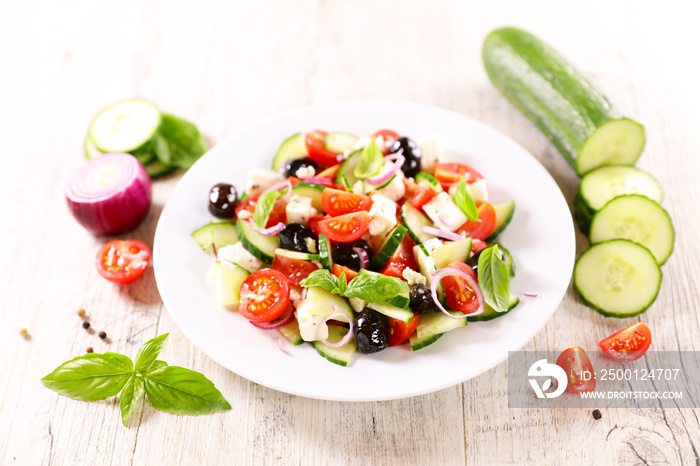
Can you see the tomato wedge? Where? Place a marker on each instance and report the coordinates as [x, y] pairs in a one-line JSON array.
[[264, 296], [458, 294], [421, 197], [400, 330], [295, 270], [336, 202], [478, 245], [484, 227], [579, 370], [330, 172], [122, 262], [314, 145], [402, 259], [349, 273], [449, 174], [629, 344], [277, 215], [345, 228], [389, 137]]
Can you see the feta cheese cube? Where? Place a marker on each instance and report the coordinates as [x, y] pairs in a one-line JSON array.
[[444, 213], [395, 189], [432, 244], [305, 172], [359, 187], [260, 179], [477, 190], [237, 254], [382, 215], [299, 209], [413, 277], [244, 214], [432, 150]]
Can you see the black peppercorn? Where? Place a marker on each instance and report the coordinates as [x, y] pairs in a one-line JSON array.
[[102, 335], [86, 325], [597, 414]]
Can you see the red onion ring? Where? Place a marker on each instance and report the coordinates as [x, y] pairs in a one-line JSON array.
[[453, 271], [303, 292], [442, 233], [364, 257], [314, 179], [279, 345], [344, 341], [530, 295], [283, 320], [379, 179], [447, 224], [317, 264], [273, 230], [278, 187]]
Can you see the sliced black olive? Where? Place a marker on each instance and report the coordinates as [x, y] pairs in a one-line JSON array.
[[291, 167], [410, 150], [294, 236], [421, 300], [223, 200], [344, 254], [372, 331]]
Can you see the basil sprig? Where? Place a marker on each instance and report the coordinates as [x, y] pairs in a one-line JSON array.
[[494, 279], [264, 207], [173, 389], [371, 161], [465, 202], [371, 287]]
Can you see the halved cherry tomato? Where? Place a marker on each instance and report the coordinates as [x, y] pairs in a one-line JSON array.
[[330, 172], [478, 245], [349, 273], [313, 224], [264, 296], [579, 370], [122, 262], [458, 294], [449, 174], [400, 331], [484, 227], [421, 196], [295, 270], [314, 145], [336, 202], [277, 215], [629, 344], [389, 137], [345, 228], [402, 259]]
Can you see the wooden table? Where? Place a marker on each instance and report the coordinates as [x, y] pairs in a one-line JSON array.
[[227, 65]]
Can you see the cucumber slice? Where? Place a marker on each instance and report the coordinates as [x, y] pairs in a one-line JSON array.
[[324, 251], [580, 122], [219, 234], [490, 313], [304, 256], [618, 278], [292, 334], [341, 356], [415, 220], [504, 215], [294, 147], [604, 184], [125, 126], [427, 267], [432, 326], [583, 214], [507, 258], [347, 168], [317, 305], [452, 251], [392, 311], [157, 169], [636, 218], [339, 142], [228, 278], [262, 247], [429, 181], [391, 244], [91, 150], [310, 190]]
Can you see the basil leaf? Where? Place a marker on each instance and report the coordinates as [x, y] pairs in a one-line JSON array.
[[342, 284], [371, 161], [91, 377], [149, 352], [178, 142], [494, 279], [375, 288], [178, 390], [465, 202], [130, 397], [322, 278], [264, 206], [157, 364]]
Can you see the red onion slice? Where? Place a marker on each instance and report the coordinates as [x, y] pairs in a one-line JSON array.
[[344, 341], [448, 224], [313, 179], [283, 320], [530, 295], [379, 179], [273, 230], [442, 233], [278, 187], [453, 271], [364, 257], [279, 345]]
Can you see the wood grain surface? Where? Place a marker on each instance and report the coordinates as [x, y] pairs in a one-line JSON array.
[[229, 64]]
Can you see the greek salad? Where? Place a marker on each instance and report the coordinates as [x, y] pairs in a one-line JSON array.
[[356, 244]]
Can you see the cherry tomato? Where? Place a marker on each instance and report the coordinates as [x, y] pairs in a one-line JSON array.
[[122, 262], [402, 259], [389, 137], [400, 331], [277, 215], [484, 227], [264, 296], [349, 273], [314, 145], [579, 370], [313, 224], [629, 344], [345, 228], [478, 245], [336, 202], [421, 196], [449, 174], [458, 294], [330, 172], [295, 270]]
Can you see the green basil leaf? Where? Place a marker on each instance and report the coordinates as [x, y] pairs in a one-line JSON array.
[[178, 142], [157, 364], [322, 278], [375, 288], [494, 279], [178, 390], [130, 396], [465, 202], [91, 377], [371, 161], [149, 352], [264, 206]]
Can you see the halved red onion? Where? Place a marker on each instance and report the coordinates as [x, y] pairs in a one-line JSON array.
[[344, 341], [530, 295], [283, 320], [453, 271], [278, 187], [110, 194], [279, 345], [364, 257], [314, 179], [442, 233], [379, 179], [273, 230]]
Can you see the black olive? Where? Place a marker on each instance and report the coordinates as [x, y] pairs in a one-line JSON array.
[[344, 254], [473, 261], [223, 200], [409, 149], [291, 167], [421, 300], [372, 331], [294, 235]]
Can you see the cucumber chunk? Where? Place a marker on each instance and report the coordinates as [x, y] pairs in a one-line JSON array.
[[415, 220], [340, 142], [292, 334], [347, 168], [604, 184], [324, 251], [314, 191], [341, 356], [294, 147], [452, 251], [432, 326], [262, 247], [428, 181], [157, 169], [391, 244], [392, 311], [218, 234], [125, 126], [304, 256], [228, 278], [504, 215], [636, 218], [490, 313], [618, 278]]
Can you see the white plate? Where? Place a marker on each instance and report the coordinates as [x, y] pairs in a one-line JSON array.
[[540, 238]]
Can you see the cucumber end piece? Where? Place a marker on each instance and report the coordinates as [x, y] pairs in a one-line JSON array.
[[617, 142]]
